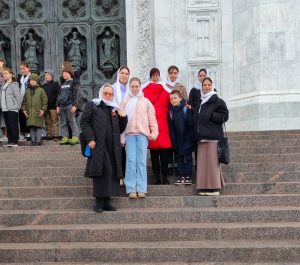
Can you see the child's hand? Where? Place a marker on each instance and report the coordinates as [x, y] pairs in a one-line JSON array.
[[188, 106], [73, 109], [151, 138], [25, 113], [41, 114], [57, 110], [92, 144]]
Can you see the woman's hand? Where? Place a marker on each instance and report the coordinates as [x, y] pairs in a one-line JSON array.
[[25, 113], [121, 113], [73, 109], [151, 138], [92, 144]]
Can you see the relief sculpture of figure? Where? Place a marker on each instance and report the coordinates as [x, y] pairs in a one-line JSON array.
[[32, 47], [3, 45], [109, 52], [75, 52]]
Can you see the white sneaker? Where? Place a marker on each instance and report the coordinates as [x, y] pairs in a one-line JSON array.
[[3, 139], [213, 193], [22, 138]]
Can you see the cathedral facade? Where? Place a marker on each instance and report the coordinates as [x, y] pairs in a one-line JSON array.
[[249, 47]]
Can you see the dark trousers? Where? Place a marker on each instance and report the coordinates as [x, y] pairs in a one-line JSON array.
[[12, 126], [22, 122], [185, 165], [159, 160]]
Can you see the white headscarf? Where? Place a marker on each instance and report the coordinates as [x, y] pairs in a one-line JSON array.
[[131, 104], [207, 96], [117, 89], [198, 86], [97, 101]]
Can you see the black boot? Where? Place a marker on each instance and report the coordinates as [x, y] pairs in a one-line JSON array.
[[98, 207], [107, 205], [165, 180], [157, 180]]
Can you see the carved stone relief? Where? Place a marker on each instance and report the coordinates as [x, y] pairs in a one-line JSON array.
[[107, 8], [4, 10], [108, 52], [32, 50], [75, 50], [5, 48], [144, 45], [31, 10], [74, 9]]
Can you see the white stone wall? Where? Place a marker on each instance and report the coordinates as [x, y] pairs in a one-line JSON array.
[[250, 48]]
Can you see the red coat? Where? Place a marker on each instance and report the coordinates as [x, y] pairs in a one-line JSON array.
[[160, 99]]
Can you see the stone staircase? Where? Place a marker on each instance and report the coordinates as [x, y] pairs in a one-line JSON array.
[[46, 212]]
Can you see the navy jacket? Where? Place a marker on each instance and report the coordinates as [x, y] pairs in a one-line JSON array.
[[180, 121]]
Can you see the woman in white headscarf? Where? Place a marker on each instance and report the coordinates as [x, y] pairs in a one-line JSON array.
[[141, 128], [209, 117], [121, 89], [102, 122]]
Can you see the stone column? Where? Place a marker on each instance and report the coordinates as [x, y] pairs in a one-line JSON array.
[[140, 43], [265, 93]]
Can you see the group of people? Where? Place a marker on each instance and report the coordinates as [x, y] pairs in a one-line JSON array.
[[129, 117], [26, 106]]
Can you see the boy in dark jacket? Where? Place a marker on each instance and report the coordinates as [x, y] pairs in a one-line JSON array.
[[51, 116], [66, 107], [180, 120]]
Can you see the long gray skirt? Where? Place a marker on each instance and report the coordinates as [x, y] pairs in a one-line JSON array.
[[209, 174]]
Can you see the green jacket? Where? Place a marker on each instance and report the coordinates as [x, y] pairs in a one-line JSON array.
[[35, 100]]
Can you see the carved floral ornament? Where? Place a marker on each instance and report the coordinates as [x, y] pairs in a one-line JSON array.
[[4, 10], [74, 6], [107, 7], [31, 7]]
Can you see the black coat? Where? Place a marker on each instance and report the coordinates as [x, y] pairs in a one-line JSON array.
[[180, 121], [52, 89], [194, 98], [95, 122], [208, 123]]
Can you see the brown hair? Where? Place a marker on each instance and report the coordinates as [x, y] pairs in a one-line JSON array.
[[13, 78], [154, 71], [173, 67], [23, 63], [135, 79], [124, 67], [176, 92]]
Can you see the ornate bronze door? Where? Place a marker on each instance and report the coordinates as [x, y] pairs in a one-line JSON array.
[[89, 33]]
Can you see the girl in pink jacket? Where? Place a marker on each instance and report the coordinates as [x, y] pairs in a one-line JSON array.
[[141, 128]]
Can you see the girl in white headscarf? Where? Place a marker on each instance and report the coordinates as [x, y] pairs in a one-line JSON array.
[[121, 87], [141, 128]]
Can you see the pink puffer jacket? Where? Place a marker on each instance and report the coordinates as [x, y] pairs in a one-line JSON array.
[[144, 120]]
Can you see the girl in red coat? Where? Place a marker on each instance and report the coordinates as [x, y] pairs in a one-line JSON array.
[[158, 94]]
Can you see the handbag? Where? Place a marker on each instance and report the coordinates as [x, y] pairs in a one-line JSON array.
[[223, 148]]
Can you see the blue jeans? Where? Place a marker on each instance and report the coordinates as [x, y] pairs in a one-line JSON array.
[[136, 163], [185, 165]]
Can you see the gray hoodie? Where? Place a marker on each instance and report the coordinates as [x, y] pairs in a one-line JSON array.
[[11, 99]]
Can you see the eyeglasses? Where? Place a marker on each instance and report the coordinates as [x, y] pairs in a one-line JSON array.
[[108, 93]]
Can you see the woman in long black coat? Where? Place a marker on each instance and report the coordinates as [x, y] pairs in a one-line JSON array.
[[102, 124]]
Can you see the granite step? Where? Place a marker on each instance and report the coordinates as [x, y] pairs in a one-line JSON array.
[[154, 263], [158, 251], [153, 190], [151, 216], [150, 232], [271, 200]]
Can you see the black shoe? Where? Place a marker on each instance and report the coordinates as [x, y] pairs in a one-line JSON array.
[[165, 181], [98, 207], [157, 182], [107, 205], [32, 144]]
